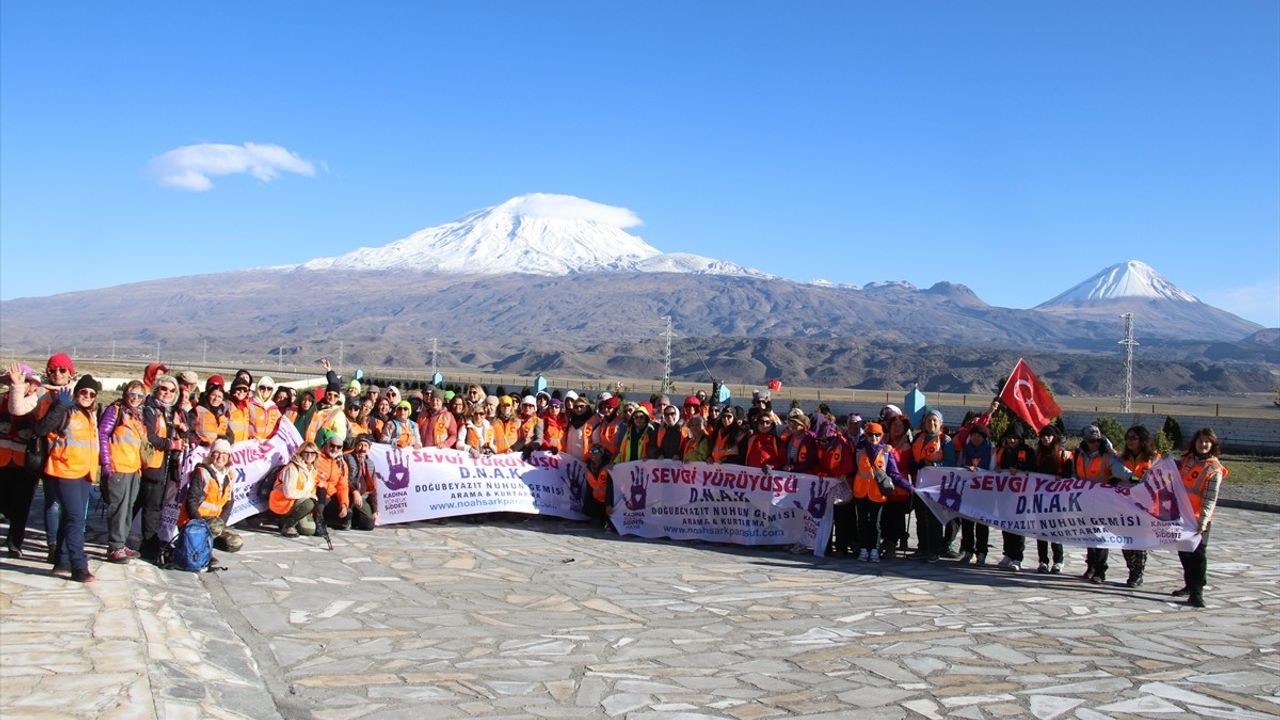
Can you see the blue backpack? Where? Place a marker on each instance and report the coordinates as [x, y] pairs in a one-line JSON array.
[[194, 552]]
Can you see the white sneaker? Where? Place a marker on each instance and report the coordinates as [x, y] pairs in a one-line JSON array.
[[965, 557], [982, 558], [875, 556], [863, 555], [1043, 568], [1015, 566], [1005, 562], [1057, 568]]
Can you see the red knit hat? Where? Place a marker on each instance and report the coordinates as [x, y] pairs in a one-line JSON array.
[[61, 360]]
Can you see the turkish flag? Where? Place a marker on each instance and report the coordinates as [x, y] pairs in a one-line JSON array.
[[1028, 399]]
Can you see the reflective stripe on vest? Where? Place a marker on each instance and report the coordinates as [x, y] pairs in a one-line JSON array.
[[209, 427], [238, 423], [1093, 470], [73, 454]]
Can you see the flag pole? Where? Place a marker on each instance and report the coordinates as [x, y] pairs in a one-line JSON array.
[[1009, 379]]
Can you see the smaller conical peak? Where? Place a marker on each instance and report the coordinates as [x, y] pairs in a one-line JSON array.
[[1132, 279]]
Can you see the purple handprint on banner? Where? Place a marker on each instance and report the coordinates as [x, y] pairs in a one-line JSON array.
[[950, 491], [575, 475], [1162, 502], [398, 472], [637, 495], [817, 500]]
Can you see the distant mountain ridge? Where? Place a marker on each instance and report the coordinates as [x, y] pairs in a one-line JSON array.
[[551, 281]]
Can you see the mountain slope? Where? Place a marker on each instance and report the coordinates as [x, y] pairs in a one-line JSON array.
[[1132, 279]]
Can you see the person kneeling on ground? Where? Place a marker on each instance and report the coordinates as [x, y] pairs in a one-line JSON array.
[[294, 495], [362, 486], [332, 493], [209, 497]]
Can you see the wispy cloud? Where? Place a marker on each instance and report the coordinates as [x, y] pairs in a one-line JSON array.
[[1259, 302], [551, 205], [190, 167]]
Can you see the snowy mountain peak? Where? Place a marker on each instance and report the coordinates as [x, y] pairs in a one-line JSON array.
[[1133, 279], [540, 234]]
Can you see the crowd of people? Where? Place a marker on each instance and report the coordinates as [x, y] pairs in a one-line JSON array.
[[53, 432]]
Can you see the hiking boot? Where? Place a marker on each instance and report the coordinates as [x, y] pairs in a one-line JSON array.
[[931, 558], [1056, 569], [62, 570], [982, 558], [1181, 592], [1135, 580], [1088, 574], [289, 532], [965, 557], [1196, 600], [1005, 562], [864, 555], [15, 553], [1098, 579], [118, 556], [950, 554], [1043, 568], [875, 556], [83, 576], [52, 557]]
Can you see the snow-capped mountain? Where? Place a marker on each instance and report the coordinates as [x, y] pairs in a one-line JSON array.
[[1160, 308], [539, 234], [1133, 279]]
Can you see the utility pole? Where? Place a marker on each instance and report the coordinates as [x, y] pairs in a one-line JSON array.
[[666, 358], [1128, 343]]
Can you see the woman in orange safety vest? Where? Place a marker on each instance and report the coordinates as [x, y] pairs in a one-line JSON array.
[[1139, 455], [1202, 473], [72, 428]]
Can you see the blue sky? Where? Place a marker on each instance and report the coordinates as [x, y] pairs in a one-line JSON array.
[[1015, 147]]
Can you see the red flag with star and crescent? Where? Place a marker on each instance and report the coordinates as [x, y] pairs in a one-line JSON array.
[[1028, 399]]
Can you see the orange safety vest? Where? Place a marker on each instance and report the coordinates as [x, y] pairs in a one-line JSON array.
[[1195, 475], [726, 445], [404, 432], [262, 419], [927, 450], [624, 448], [332, 475], [216, 496], [73, 453], [239, 422], [864, 480], [1139, 468], [473, 436], [1094, 468], [505, 433], [124, 447], [435, 429], [608, 434], [553, 435], [209, 427], [833, 461], [13, 450], [301, 481]]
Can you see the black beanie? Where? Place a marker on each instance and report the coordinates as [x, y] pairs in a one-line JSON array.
[[87, 381]]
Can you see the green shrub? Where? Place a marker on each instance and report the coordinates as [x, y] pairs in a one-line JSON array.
[[1111, 430], [1172, 431]]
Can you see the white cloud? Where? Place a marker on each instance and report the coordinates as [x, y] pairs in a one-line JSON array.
[[568, 207], [190, 167], [1259, 302]]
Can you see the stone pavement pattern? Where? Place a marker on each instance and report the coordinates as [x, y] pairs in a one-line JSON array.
[[552, 619]]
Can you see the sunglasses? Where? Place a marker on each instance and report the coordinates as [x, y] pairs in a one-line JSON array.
[[53, 371], [87, 393], [134, 395], [166, 390], [309, 453], [875, 434]]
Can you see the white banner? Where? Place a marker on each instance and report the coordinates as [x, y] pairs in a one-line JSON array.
[[1154, 514], [437, 483], [721, 503], [251, 463]]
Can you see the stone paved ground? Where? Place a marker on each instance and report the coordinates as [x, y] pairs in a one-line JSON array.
[[552, 619]]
